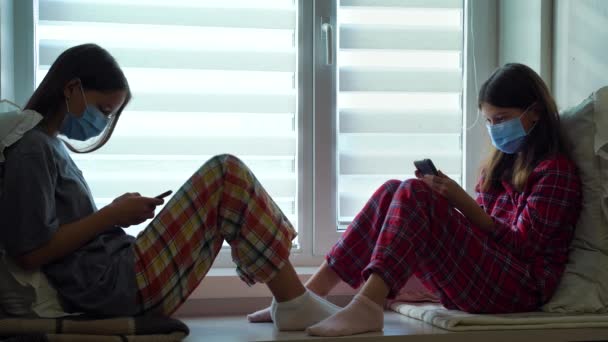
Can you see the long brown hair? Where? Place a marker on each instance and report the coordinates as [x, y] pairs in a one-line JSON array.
[[96, 69], [518, 86]]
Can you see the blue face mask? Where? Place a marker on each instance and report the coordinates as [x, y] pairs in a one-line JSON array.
[[508, 136], [90, 125]]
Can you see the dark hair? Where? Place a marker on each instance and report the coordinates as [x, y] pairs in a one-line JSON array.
[[94, 67], [518, 86]]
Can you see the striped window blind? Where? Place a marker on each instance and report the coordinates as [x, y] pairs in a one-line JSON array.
[[207, 76], [400, 89]]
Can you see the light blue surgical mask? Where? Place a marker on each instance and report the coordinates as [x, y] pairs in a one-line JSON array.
[[90, 125], [510, 135]]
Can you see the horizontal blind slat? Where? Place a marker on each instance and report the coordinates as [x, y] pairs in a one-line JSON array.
[[402, 17], [182, 163], [196, 124], [398, 122], [189, 3], [235, 102], [397, 163], [394, 142], [404, 3], [168, 14], [239, 146], [165, 36], [185, 58], [395, 58], [184, 81], [395, 101], [374, 37], [400, 79], [153, 184]]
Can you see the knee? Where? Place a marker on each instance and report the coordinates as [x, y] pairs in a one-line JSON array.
[[224, 164], [227, 161], [388, 188], [414, 184], [416, 189], [391, 185], [227, 158]]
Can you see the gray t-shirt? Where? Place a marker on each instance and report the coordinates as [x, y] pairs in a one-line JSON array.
[[42, 189]]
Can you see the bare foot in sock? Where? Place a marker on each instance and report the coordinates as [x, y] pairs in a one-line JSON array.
[[260, 316], [361, 315], [301, 312], [263, 316]]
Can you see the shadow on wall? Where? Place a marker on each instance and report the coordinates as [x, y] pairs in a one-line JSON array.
[[587, 66]]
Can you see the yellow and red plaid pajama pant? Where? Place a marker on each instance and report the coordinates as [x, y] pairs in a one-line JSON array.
[[222, 201]]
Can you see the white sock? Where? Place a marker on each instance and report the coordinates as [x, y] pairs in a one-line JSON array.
[[301, 312], [260, 316], [361, 315]]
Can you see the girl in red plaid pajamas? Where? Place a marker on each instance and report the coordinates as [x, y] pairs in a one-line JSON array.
[[503, 252], [50, 220]]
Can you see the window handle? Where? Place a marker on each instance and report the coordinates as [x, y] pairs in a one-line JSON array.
[[328, 35]]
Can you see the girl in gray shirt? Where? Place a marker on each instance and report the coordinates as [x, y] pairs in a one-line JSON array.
[[49, 218]]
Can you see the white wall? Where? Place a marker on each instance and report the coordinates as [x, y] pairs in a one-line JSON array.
[[481, 60], [17, 52], [581, 49], [24, 51], [525, 34], [7, 65]]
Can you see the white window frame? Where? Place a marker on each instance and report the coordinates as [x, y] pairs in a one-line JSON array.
[[477, 13], [325, 130], [317, 183]]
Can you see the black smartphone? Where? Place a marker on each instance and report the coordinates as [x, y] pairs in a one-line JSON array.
[[426, 167], [164, 194]]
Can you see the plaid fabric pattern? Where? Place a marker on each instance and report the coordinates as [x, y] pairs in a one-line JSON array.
[[222, 201], [406, 228], [538, 224]]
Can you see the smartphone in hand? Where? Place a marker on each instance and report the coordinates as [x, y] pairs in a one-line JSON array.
[[426, 167], [164, 194]]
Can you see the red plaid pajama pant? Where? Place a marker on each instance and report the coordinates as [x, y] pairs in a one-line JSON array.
[[222, 201], [406, 228]]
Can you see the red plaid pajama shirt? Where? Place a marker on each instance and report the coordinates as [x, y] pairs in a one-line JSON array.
[[222, 201], [407, 229]]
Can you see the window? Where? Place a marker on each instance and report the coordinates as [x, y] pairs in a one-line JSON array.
[[396, 97], [207, 77], [399, 93], [323, 99]]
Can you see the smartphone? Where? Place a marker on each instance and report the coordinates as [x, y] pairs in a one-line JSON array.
[[426, 167], [164, 194]]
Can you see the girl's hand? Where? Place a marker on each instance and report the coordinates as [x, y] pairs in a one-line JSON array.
[[126, 195], [445, 186], [131, 209]]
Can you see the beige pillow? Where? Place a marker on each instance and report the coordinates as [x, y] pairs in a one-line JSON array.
[[584, 285], [14, 123]]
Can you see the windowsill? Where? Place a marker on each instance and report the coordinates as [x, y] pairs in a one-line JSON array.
[[222, 292], [231, 272], [224, 283], [396, 328]]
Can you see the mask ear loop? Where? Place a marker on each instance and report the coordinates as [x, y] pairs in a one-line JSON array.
[[84, 97], [67, 105], [534, 123], [527, 109]]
